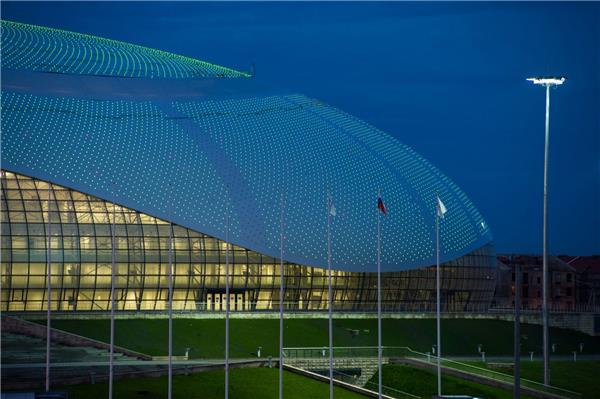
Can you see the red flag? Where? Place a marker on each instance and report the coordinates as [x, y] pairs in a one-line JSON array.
[[381, 206]]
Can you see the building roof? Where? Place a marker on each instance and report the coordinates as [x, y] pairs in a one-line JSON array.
[[535, 262], [41, 49], [583, 264], [196, 148]]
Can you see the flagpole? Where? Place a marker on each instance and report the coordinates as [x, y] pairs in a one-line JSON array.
[[437, 279], [49, 285], [379, 348], [281, 299], [226, 304], [170, 372], [330, 292], [112, 306]]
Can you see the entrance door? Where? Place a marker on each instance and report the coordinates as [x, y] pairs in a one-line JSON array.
[[210, 302], [240, 303], [216, 301]]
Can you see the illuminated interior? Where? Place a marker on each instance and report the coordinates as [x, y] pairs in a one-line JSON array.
[[81, 228]]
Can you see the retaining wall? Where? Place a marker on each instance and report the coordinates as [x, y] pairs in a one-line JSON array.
[[586, 322]]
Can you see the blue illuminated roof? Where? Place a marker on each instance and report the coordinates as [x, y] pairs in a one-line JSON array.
[[190, 150], [37, 48]]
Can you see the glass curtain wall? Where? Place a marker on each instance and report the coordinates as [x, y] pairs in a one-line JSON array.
[[81, 230]]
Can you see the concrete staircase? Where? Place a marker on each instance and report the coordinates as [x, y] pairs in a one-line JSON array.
[[367, 366], [23, 349], [17, 326]]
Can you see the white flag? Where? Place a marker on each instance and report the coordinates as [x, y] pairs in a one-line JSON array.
[[332, 211], [441, 208]]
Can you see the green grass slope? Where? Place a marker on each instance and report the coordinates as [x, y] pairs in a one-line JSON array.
[[248, 383], [424, 383], [206, 336], [581, 376]]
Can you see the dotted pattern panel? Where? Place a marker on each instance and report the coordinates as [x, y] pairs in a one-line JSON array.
[[36, 48], [193, 161], [122, 149], [305, 149], [462, 224]]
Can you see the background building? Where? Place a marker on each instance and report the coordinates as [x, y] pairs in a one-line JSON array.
[[588, 279], [562, 282], [103, 137]]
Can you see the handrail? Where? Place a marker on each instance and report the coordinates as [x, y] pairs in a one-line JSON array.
[[407, 352], [291, 308], [501, 376]]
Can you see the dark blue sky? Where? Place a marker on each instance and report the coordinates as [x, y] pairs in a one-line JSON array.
[[447, 79]]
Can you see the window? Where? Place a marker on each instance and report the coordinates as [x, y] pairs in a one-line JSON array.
[[85, 232]]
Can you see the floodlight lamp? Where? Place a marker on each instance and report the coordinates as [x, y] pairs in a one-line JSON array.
[[547, 81]]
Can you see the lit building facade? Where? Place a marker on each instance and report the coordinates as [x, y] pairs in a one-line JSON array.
[[209, 152], [81, 228]]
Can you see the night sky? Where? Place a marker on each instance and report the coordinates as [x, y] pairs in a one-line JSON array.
[[448, 79]]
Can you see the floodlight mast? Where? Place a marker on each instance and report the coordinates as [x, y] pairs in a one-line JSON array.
[[548, 82]]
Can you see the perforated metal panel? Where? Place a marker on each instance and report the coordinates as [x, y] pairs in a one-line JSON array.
[[37, 48], [195, 151]]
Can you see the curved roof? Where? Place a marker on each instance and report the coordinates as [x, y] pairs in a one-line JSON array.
[[194, 150], [37, 48]]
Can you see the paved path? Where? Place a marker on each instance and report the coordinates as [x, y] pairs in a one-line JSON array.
[[137, 363], [524, 358]]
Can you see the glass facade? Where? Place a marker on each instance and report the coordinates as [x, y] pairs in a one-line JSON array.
[[81, 228]]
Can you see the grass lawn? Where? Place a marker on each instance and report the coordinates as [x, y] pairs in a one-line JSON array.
[[206, 336], [424, 383], [248, 383], [581, 376]]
